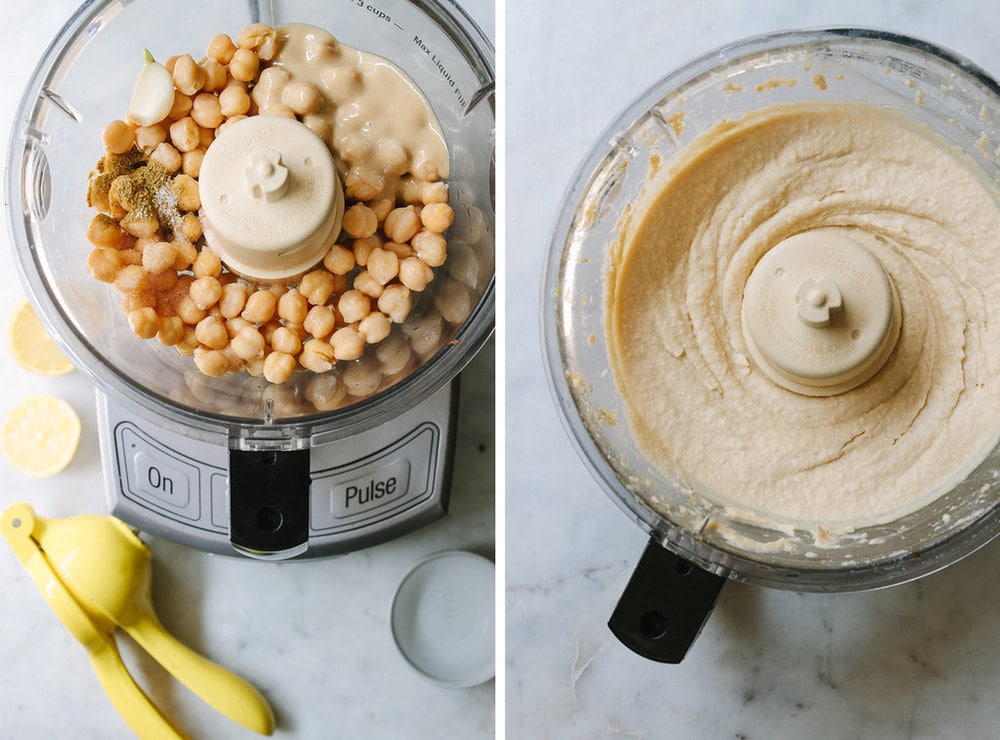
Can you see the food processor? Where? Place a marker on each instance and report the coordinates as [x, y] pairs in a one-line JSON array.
[[696, 545], [237, 465]]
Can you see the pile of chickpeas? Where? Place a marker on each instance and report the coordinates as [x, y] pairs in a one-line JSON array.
[[176, 290]]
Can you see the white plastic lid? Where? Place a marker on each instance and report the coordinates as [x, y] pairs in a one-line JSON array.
[[443, 618], [820, 315], [271, 201]]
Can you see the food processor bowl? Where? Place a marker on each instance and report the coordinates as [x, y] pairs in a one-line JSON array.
[[934, 87], [230, 463], [85, 80]]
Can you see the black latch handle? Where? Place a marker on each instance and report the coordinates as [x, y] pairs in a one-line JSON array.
[[269, 502], [664, 606]]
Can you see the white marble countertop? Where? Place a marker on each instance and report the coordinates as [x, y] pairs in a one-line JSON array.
[[312, 636], [914, 661]]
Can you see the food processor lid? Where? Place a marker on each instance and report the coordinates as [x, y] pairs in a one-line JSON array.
[[271, 200], [820, 315], [443, 618]]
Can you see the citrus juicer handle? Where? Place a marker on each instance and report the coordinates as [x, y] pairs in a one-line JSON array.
[[220, 688], [141, 715], [665, 605]]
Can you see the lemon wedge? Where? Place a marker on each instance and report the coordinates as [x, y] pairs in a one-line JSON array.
[[33, 349], [40, 435]]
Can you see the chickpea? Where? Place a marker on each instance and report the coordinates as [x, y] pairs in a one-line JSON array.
[[207, 264], [269, 327], [360, 221], [383, 265], [353, 306], [434, 192], [402, 224], [206, 110], [205, 137], [167, 156], [189, 312], [104, 264], [215, 75], [186, 187], [363, 184], [140, 225], [206, 292], [364, 247], [211, 362], [227, 123], [244, 65], [190, 228], [187, 253], [118, 137], [130, 256], [430, 247], [415, 274], [185, 134], [132, 279], [317, 356], [181, 107], [316, 286], [396, 302], [232, 300], [320, 321], [234, 101], [383, 207], [221, 48], [144, 322], [134, 301], [391, 156], [301, 97], [211, 331], [189, 76], [375, 327], [286, 340], [278, 367], [339, 260], [278, 109], [424, 333], [248, 343], [368, 285], [319, 125], [437, 217], [362, 378], [394, 353], [171, 330], [104, 231], [325, 392], [236, 323], [348, 343], [260, 306], [191, 162], [453, 300], [402, 251], [158, 257], [188, 342], [148, 138], [293, 307], [340, 81]]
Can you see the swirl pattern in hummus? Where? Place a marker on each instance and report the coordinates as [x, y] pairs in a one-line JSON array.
[[698, 407]]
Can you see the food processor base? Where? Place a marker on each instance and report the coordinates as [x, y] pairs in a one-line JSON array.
[[354, 493]]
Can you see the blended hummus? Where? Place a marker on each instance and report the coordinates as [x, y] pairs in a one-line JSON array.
[[699, 406]]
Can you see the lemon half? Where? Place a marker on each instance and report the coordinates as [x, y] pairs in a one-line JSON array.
[[40, 435], [31, 346]]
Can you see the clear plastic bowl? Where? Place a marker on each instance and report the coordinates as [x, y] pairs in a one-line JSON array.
[[85, 80], [958, 100]]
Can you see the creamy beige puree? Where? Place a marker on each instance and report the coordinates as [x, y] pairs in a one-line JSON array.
[[701, 408]]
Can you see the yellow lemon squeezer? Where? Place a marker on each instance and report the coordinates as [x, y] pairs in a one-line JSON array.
[[96, 574]]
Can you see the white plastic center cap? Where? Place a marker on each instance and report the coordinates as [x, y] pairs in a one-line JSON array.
[[271, 201], [820, 315]]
